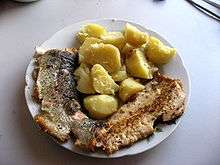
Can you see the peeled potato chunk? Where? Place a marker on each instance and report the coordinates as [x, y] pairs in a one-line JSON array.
[[100, 106], [82, 36], [105, 54], [85, 48], [102, 81], [128, 88], [137, 65], [115, 38], [82, 69], [127, 49], [158, 53], [84, 83], [120, 75], [91, 30], [134, 36]]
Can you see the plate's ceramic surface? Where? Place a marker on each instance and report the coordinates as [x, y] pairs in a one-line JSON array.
[[65, 38]]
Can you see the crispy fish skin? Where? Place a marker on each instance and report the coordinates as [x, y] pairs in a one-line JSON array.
[[61, 112], [54, 79], [162, 98], [50, 89]]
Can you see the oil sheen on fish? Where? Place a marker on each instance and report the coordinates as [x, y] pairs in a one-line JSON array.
[[61, 113]]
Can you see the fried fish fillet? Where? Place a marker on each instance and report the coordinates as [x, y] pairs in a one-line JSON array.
[[162, 98], [61, 112]]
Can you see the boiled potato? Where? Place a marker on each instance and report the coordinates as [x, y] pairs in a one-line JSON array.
[[100, 106], [143, 47], [158, 53], [84, 83], [82, 36], [120, 75], [137, 65], [102, 81], [105, 54], [134, 36], [128, 88], [91, 30], [115, 38], [85, 48], [127, 49], [82, 69]]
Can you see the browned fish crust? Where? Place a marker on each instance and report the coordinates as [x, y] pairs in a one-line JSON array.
[[51, 128], [162, 98]]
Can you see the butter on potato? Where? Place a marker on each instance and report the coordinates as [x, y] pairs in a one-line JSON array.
[[115, 38], [84, 83], [100, 106], [138, 66], [105, 54], [102, 81], [157, 52], [134, 36], [91, 30], [128, 88]]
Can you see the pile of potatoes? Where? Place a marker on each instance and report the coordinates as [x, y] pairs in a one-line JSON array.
[[113, 63]]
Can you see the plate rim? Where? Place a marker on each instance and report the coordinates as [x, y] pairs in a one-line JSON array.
[[80, 23]]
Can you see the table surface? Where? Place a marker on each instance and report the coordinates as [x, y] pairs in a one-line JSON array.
[[195, 35]]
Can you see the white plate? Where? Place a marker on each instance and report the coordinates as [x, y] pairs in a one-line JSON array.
[[65, 38]]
